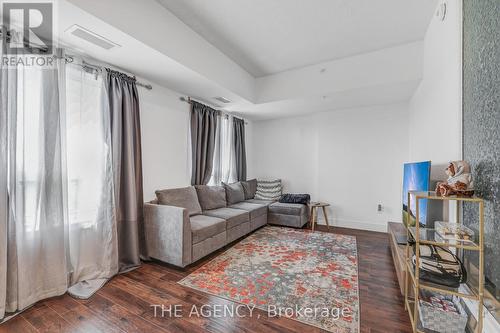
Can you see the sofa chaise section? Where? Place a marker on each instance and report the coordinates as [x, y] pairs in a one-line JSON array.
[[288, 214]]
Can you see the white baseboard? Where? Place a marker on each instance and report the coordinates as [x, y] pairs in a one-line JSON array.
[[362, 225]]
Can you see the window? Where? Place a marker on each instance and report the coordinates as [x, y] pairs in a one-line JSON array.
[[224, 169], [88, 161]]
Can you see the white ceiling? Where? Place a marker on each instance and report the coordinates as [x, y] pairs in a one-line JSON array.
[[134, 56], [270, 36], [161, 48]]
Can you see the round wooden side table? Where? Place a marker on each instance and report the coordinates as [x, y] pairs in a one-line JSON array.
[[314, 213]]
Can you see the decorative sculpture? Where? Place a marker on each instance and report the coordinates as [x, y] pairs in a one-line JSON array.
[[459, 180]]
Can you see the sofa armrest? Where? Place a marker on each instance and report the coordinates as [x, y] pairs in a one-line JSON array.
[[168, 234]]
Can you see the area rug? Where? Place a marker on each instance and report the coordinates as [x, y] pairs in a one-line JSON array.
[[308, 276]]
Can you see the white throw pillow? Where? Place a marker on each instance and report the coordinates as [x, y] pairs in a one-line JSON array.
[[268, 189]]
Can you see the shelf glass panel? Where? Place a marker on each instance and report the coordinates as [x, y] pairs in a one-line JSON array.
[[431, 236], [431, 195]]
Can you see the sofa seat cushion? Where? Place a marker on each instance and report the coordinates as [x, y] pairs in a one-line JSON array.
[[185, 197], [203, 227], [254, 209], [287, 209], [211, 197], [233, 216], [260, 202]]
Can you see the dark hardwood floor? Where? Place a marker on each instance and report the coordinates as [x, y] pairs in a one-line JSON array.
[[124, 303]]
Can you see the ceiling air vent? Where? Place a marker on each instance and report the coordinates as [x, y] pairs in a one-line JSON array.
[[91, 37], [222, 99]]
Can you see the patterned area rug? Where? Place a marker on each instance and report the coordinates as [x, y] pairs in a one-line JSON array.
[[288, 271]]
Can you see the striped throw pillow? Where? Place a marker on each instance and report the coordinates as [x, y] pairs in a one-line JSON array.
[[268, 189]]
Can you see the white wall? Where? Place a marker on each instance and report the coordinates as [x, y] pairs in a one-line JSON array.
[[164, 126], [436, 107], [285, 149], [350, 158]]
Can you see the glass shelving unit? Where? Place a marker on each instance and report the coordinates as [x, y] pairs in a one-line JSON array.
[[428, 236]]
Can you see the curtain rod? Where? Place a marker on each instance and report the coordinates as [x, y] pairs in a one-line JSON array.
[[69, 59], [189, 100]]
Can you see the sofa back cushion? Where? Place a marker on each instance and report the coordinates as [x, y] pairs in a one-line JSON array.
[[211, 197], [268, 189], [184, 197], [234, 193], [249, 187]]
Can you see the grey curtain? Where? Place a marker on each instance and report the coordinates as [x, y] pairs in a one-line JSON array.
[[239, 148], [127, 165], [203, 136]]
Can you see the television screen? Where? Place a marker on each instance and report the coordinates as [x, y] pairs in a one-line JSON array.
[[416, 177]]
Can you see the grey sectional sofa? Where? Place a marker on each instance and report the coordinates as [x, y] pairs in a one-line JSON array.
[[185, 224]]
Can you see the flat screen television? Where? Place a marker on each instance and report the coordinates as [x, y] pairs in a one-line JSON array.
[[416, 177]]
